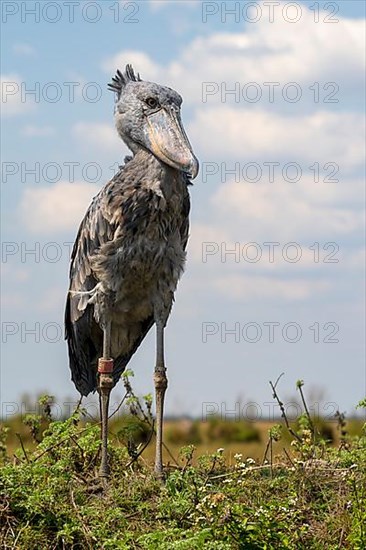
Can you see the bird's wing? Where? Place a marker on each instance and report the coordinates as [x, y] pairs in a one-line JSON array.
[[184, 228], [83, 334], [107, 218]]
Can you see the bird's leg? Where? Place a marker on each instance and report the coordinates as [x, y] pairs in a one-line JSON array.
[[105, 370], [161, 384]]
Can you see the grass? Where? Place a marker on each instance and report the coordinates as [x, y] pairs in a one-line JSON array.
[[303, 493]]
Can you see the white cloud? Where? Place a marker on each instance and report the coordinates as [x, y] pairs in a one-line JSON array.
[[11, 272], [21, 48], [12, 102], [12, 301], [245, 288], [246, 135], [51, 300], [303, 52], [14, 280], [229, 251], [37, 131], [280, 51], [282, 211], [140, 61], [244, 217], [59, 208], [204, 233], [98, 135], [357, 259], [157, 5]]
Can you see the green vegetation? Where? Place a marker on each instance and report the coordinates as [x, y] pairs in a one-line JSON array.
[[308, 496]]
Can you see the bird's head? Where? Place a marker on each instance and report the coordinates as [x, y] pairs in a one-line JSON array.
[[148, 115]]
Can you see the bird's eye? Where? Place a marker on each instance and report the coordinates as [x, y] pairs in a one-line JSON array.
[[152, 102]]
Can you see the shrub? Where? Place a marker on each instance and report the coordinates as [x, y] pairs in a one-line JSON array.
[[231, 431], [312, 497], [183, 432]]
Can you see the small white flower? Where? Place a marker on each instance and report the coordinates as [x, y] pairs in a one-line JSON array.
[[221, 450], [250, 461]]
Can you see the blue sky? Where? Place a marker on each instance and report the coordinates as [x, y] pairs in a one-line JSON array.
[[318, 60]]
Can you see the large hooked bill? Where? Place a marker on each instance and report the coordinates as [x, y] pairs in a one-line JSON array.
[[169, 142]]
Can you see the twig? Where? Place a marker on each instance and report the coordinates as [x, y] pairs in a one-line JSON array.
[[77, 444], [78, 405], [288, 457], [341, 538], [266, 451], [63, 441], [18, 535], [22, 445], [85, 530], [283, 412], [299, 387], [250, 469], [146, 418], [170, 454], [152, 424], [271, 455], [119, 406], [143, 448]]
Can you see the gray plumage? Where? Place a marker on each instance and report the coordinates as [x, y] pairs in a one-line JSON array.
[[129, 252]]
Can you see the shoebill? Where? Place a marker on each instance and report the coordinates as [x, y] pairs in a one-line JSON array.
[[130, 249]]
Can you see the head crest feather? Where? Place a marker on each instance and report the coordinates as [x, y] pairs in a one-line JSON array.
[[120, 80]]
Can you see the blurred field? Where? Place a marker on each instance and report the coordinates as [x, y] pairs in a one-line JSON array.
[[248, 438], [254, 437]]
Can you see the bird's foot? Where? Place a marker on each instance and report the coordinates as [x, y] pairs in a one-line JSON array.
[[160, 473]]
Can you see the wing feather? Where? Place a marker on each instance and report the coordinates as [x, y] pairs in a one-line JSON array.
[[101, 224], [84, 336]]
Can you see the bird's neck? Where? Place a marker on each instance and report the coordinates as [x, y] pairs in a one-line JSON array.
[[154, 172]]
